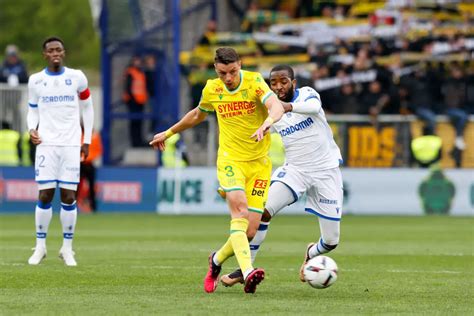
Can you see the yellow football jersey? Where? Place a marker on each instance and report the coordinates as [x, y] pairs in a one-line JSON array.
[[239, 114]]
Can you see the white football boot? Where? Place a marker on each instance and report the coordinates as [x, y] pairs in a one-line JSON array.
[[68, 257], [38, 255]]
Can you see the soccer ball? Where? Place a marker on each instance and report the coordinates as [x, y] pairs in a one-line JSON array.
[[320, 272]]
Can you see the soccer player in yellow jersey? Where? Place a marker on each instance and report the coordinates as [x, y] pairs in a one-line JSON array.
[[245, 108]]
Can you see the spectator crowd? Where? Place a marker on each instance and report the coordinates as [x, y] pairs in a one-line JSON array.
[[366, 58]]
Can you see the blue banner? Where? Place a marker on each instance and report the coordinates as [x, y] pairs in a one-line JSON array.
[[117, 190], [126, 189]]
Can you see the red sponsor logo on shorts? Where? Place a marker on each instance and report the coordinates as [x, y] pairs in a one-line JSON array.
[[260, 184], [121, 192]]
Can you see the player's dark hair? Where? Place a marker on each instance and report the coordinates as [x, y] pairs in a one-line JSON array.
[[52, 39], [226, 55], [287, 68]]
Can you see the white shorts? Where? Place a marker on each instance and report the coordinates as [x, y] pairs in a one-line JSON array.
[[324, 189], [57, 165]]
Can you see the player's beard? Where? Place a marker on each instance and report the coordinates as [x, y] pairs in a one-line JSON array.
[[289, 96]]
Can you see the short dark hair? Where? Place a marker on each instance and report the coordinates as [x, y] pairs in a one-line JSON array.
[[52, 39], [288, 69], [226, 55]]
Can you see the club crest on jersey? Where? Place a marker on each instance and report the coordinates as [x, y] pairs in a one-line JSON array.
[[245, 94], [281, 174], [68, 82], [259, 92]]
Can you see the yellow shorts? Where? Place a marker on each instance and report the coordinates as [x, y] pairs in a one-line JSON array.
[[253, 177]]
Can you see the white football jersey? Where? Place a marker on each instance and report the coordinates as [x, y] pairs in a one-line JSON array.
[[57, 97], [308, 139]]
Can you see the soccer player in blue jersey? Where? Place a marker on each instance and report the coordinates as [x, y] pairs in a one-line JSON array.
[[56, 96]]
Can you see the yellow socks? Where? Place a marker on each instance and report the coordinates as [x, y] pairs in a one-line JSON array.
[[240, 243], [237, 244], [224, 253]]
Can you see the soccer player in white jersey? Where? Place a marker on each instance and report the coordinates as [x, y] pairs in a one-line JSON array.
[[56, 96], [311, 166]]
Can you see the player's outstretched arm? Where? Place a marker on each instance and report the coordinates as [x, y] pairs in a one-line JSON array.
[[311, 105], [191, 119], [275, 112]]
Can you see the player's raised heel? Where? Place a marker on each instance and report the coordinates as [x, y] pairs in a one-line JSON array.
[[306, 258], [232, 278], [38, 255], [254, 279], [68, 257], [211, 280]]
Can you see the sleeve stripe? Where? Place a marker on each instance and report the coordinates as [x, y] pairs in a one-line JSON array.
[[84, 94], [204, 110], [265, 97], [312, 97], [33, 105]]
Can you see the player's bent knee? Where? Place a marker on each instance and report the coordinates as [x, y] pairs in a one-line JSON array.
[[68, 197], [46, 196], [266, 216], [251, 232]]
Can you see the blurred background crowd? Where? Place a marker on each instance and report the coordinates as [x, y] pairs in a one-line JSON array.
[[367, 59]]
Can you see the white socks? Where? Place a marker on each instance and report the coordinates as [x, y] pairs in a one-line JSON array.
[[258, 239], [43, 214], [330, 231], [68, 217]]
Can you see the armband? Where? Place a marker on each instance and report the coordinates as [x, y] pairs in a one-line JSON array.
[[169, 133]]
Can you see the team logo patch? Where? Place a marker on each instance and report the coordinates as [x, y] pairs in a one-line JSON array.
[[281, 174], [245, 94], [219, 90], [260, 184], [68, 82], [259, 92]]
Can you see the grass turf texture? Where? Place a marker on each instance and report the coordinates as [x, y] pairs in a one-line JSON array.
[[145, 263]]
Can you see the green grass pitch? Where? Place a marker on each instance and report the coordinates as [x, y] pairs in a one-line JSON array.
[[151, 264]]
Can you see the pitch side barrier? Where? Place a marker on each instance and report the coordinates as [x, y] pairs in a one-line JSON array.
[[367, 191], [117, 190]]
